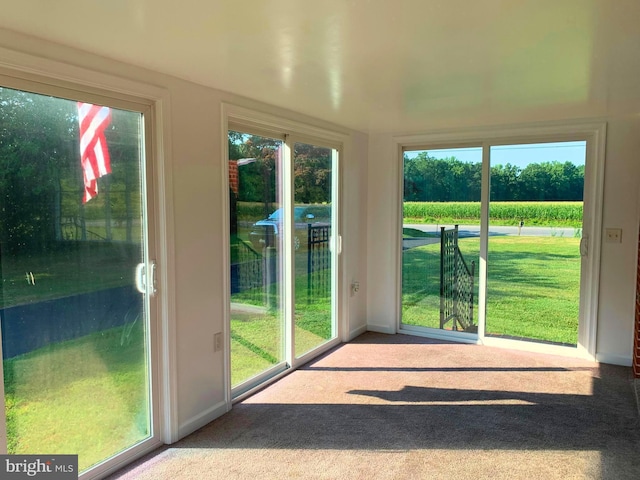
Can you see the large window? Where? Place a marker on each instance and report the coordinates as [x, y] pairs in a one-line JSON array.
[[75, 278]]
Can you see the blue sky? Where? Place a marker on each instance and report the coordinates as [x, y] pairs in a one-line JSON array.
[[520, 155]]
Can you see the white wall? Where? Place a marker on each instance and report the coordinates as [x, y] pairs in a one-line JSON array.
[[198, 188]]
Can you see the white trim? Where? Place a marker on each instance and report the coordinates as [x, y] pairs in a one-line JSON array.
[[388, 329], [536, 347], [226, 259], [246, 120], [356, 332], [316, 352], [262, 386], [398, 237], [103, 470], [80, 83], [57, 74], [164, 238], [448, 335], [594, 133], [198, 421], [485, 198], [594, 195], [278, 125], [257, 380], [613, 359], [504, 134]]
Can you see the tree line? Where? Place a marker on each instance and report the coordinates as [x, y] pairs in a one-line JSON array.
[[41, 182], [428, 179], [258, 177]]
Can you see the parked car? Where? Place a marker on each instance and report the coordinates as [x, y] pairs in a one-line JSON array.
[[264, 233]]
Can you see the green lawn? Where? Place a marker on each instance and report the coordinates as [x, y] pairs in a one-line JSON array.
[[86, 396], [68, 269], [257, 332], [533, 286], [257, 341]]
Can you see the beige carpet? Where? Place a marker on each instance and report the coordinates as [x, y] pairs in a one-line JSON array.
[[402, 407]]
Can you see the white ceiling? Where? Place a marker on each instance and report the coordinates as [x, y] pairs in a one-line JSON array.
[[367, 64]]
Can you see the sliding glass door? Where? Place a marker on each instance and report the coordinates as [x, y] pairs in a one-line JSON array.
[[441, 238], [535, 231], [257, 261], [314, 222], [283, 254], [493, 242], [75, 278]]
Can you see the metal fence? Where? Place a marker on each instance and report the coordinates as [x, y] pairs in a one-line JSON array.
[[254, 274], [456, 284], [247, 274], [318, 263]]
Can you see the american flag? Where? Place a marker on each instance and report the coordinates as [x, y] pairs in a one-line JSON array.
[[94, 155]]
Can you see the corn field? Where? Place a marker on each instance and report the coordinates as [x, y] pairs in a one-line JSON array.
[[558, 214]]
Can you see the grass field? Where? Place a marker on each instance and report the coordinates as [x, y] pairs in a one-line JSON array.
[[257, 342], [532, 287], [55, 395], [70, 268], [256, 332]]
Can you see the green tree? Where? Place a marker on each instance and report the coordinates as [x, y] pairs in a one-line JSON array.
[[36, 149], [312, 174]]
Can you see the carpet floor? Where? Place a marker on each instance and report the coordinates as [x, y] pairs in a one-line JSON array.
[[404, 407]]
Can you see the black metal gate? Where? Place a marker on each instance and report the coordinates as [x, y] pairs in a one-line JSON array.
[[247, 275], [318, 262], [456, 284]]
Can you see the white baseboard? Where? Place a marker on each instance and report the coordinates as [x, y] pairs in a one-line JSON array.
[[381, 329], [199, 421], [623, 360], [357, 332]]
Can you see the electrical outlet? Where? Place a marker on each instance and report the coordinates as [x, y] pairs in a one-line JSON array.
[[217, 342], [613, 235]]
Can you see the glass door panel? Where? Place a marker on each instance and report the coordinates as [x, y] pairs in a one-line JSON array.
[[75, 329], [314, 225], [257, 255], [441, 238], [535, 229]]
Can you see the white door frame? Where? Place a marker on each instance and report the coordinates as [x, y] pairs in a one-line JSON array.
[[291, 132], [594, 133], [25, 72]]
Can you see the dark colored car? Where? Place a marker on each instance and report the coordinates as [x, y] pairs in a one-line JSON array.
[[264, 233]]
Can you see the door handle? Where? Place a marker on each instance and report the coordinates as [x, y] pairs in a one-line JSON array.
[[140, 277], [584, 246], [146, 282]]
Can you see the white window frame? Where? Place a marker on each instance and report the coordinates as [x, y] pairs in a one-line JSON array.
[[26, 72], [247, 120], [594, 133]]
